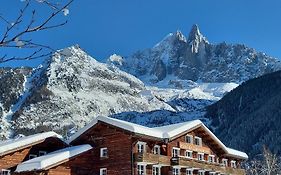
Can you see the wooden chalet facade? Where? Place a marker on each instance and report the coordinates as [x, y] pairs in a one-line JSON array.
[[110, 146], [181, 149], [14, 152]]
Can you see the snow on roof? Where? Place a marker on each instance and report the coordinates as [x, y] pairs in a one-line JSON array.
[[163, 132], [236, 153], [53, 158], [14, 144]]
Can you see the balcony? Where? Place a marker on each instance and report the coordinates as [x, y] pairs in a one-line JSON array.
[[192, 163], [150, 158], [192, 147]]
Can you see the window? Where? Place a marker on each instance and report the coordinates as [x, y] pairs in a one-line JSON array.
[[141, 169], [211, 158], [103, 171], [201, 172], [189, 172], [176, 171], [42, 153], [188, 154], [212, 173], [103, 152], [156, 170], [31, 156], [175, 152], [200, 156], [224, 162], [233, 163], [141, 147], [198, 141], [156, 149], [189, 139], [5, 172]]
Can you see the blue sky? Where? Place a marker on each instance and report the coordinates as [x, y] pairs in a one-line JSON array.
[[104, 27]]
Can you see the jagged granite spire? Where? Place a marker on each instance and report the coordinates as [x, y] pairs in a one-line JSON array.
[[195, 38]]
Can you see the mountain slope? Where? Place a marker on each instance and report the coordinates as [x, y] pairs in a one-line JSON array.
[[72, 88], [176, 59], [249, 116]]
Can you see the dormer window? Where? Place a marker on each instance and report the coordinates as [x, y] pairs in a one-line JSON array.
[[198, 141], [188, 154], [156, 149], [141, 147], [211, 158], [200, 156], [233, 163], [189, 139]]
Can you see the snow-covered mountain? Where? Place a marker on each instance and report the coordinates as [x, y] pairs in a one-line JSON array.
[[72, 88], [176, 60]]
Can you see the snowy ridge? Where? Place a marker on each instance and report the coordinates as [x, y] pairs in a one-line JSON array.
[[53, 158], [197, 60], [76, 88]]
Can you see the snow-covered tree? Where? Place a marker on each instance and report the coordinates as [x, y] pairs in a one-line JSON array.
[[267, 165], [18, 33]]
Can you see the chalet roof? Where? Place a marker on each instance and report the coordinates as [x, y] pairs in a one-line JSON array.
[[11, 145], [163, 132], [52, 159]]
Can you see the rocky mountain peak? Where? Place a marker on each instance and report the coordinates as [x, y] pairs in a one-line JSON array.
[[195, 38]]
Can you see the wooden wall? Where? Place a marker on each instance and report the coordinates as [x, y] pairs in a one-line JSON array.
[[11, 160], [119, 145]]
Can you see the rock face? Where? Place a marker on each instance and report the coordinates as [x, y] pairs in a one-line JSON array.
[[194, 58], [12, 87], [249, 116], [68, 91]]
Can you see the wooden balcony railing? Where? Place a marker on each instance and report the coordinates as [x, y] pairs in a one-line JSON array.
[[152, 158], [206, 166], [193, 147]]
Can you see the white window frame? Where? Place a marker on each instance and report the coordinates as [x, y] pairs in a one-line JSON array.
[[233, 164], [32, 156], [201, 172], [190, 137], [186, 154], [154, 167], [211, 158], [199, 139], [225, 162], [156, 147], [189, 171], [199, 155], [176, 149], [141, 171], [176, 171], [5, 172], [102, 150], [139, 144], [42, 153], [102, 171]]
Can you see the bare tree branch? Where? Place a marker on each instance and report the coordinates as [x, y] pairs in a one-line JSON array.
[[14, 39]]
